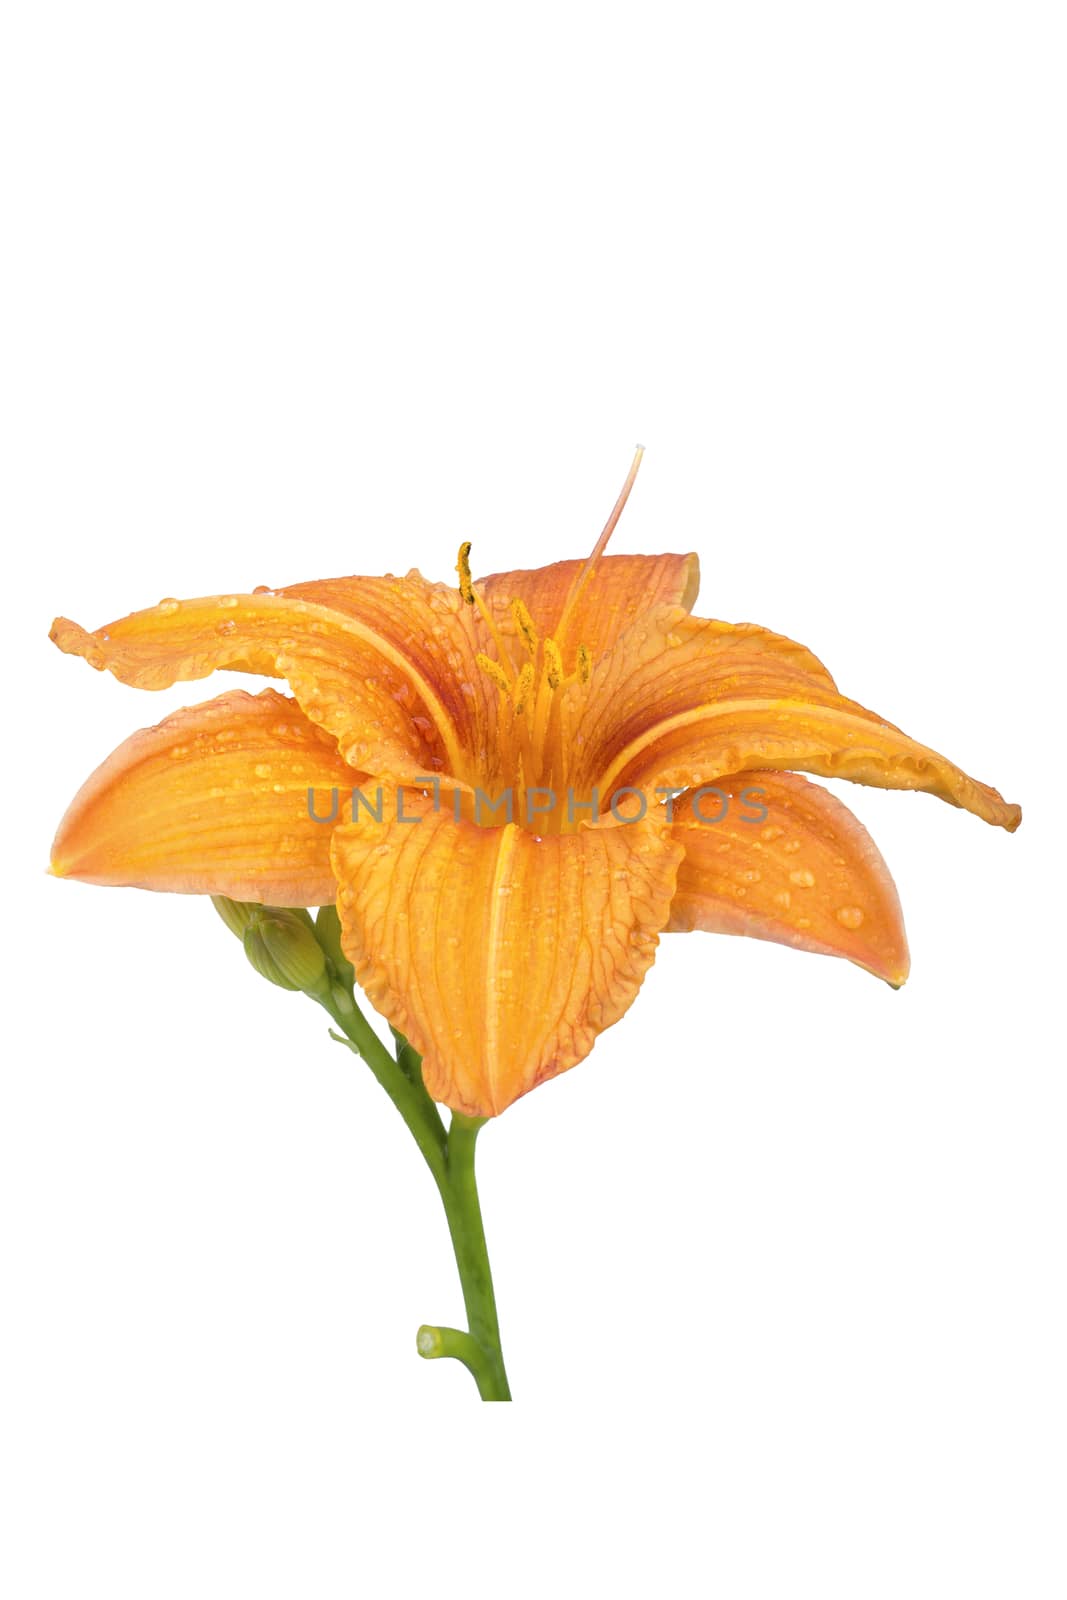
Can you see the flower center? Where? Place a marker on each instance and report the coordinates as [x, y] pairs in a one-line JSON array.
[[534, 738], [529, 691]]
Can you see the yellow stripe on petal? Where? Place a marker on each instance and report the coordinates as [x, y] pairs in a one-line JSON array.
[[717, 739], [774, 857], [501, 955], [380, 663], [682, 702], [214, 800]]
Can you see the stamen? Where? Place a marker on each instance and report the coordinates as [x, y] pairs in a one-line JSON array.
[[523, 688], [474, 598], [585, 663], [463, 567], [495, 671], [553, 664], [598, 549], [525, 625]]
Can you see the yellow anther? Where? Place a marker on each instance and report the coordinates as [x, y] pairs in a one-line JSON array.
[[463, 567], [553, 664], [474, 597], [494, 670], [524, 623], [523, 688], [585, 663]]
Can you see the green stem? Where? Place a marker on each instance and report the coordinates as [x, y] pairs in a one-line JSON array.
[[449, 1154], [434, 1342], [464, 1213], [410, 1097], [289, 949]]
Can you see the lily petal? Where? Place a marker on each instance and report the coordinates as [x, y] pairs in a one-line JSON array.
[[500, 955], [364, 673], [618, 591], [678, 704], [782, 859], [432, 630], [213, 800]]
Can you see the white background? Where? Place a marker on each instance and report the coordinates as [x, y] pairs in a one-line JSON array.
[[299, 291]]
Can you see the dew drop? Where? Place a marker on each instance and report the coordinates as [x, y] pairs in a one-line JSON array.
[[803, 922], [850, 916], [802, 878], [791, 847], [262, 769], [168, 606], [226, 627], [772, 831], [228, 602]]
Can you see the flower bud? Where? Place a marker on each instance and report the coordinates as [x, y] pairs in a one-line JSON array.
[[236, 914], [283, 949], [328, 933]]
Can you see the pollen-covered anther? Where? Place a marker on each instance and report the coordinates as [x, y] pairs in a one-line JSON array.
[[525, 624], [524, 688], [495, 671], [463, 567], [553, 664]]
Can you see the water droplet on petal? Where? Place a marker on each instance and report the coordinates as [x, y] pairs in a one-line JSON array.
[[802, 878], [168, 606], [791, 846], [262, 769], [850, 916]]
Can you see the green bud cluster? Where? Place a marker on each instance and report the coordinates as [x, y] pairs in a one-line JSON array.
[[288, 949]]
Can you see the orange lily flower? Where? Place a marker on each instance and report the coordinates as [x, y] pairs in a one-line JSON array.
[[501, 946]]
